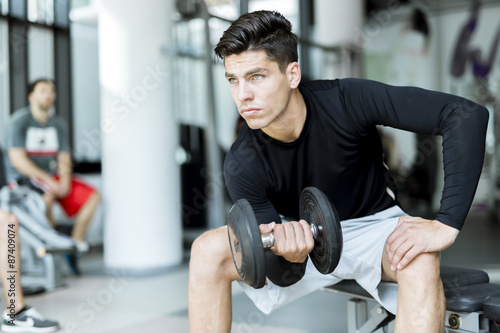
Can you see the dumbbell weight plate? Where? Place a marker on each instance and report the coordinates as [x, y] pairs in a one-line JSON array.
[[316, 208], [246, 244]]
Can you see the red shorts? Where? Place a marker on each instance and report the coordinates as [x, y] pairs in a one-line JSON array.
[[80, 193]]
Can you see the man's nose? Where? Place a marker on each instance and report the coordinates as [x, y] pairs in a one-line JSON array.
[[244, 92]]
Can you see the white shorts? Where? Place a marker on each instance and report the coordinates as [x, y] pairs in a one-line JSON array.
[[361, 260]]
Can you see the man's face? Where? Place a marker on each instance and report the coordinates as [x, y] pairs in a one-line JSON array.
[[259, 89], [44, 95]]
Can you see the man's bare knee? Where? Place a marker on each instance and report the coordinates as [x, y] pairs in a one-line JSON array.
[[211, 257], [424, 269]]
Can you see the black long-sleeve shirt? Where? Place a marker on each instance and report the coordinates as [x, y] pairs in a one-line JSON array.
[[340, 152]]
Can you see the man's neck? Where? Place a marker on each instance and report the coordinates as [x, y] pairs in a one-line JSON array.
[[41, 115], [289, 126]]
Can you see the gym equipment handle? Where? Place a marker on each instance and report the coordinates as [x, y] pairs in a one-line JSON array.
[[268, 239]]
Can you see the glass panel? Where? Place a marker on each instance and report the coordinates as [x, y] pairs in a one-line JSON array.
[[87, 132], [18, 8], [289, 9], [3, 42], [61, 13], [40, 53], [33, 10], [49, 12], [18, 69], [41, 11], [4, 75], [224, 9], [79, 3], [4, 7]]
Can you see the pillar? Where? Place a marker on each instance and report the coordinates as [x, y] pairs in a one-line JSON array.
[[338, 21], [141, 186]]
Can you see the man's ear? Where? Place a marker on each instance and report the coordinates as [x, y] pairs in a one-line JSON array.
[[293, 74]]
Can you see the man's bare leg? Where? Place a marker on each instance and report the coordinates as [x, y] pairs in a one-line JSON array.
[[84, 216], [211, 271], [9, 229], [421, 301], [49, 202]]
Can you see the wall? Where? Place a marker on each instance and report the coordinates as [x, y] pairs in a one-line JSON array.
[[379, 36], [451, 22]]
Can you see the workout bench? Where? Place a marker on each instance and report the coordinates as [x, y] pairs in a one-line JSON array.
[[42, 257], [472, 304], [41, 248]]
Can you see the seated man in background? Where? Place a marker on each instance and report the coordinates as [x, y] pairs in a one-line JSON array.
[[38, 155], [18, 317]]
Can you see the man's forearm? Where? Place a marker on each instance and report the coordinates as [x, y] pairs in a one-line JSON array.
[[64, 165], [25, 166]]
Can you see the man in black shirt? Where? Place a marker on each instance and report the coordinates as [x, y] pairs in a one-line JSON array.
[[323, 134]]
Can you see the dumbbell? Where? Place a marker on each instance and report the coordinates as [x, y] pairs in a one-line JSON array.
[[247, 244]]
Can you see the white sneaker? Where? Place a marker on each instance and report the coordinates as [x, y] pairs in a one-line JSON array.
[[81, 245], [29, 320]]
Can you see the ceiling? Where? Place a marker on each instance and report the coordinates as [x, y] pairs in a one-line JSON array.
[[432, 5]]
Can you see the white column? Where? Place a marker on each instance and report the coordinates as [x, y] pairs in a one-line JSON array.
[[141, 186], [338, 21]]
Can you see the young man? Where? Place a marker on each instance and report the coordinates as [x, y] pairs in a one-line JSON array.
[[38, 155], [18, 317], [323, 134]]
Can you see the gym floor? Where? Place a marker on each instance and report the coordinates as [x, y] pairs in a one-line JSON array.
[[102, 302]]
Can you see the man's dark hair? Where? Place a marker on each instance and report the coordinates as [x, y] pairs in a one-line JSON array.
[[32, 85], [262, 30]]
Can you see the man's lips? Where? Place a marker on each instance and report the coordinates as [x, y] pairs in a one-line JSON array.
[[248, 112]]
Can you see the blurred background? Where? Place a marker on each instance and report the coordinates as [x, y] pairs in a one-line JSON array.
[[151, 118]]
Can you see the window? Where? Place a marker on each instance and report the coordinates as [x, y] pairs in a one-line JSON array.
[[41, 11], [34, 42], [17, 9], [40, 53], [4, 7], [4, 74], [61, 13]]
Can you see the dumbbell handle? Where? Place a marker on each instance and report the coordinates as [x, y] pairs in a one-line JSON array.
[[268, 239]]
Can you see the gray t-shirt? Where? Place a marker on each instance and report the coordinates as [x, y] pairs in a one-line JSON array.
[[42, 142]]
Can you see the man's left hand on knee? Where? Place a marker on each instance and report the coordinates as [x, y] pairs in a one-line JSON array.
[[415, 235]]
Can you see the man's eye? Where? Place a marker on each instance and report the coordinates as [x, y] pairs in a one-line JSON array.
[[257, 77], [232, 80]]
